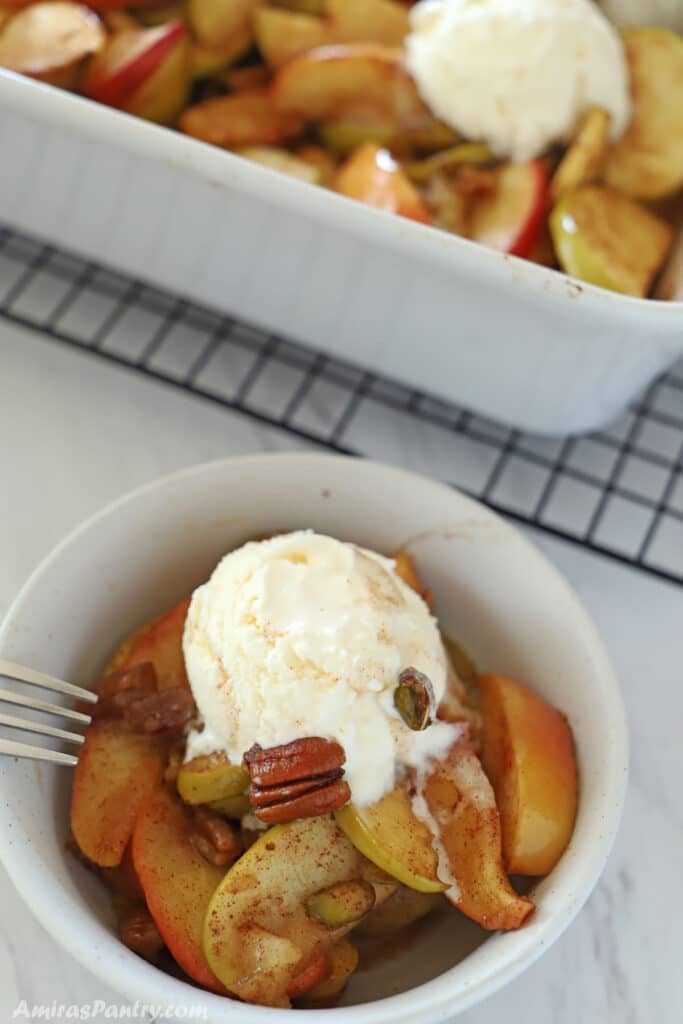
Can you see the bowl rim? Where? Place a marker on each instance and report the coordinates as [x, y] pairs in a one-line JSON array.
[[225, 169], [431, 1001]]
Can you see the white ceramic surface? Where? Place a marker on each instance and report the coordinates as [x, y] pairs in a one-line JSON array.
[[515, 341], [493, 590]]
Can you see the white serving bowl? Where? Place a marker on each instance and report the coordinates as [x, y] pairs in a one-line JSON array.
[[507, 338], [493, 591]]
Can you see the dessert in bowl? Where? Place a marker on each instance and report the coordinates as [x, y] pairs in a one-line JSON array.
[[490, 589]]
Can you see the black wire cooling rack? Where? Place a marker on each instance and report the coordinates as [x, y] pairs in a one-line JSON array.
[[618, 492]]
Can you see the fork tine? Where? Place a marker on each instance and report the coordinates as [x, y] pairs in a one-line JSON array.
[[42, 705], [15, 749], [29, 675], [28, 725]]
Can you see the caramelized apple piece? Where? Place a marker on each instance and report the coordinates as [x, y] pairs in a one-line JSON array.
[[528, 754], [510, 219], [647, 162], [214, 22], [143, 71], [50, 41], [258, 936], [208, 60], [282, 35], [604, 238], [247, 118], [334, 81], [461, 803], [584, 160], [177, 881], [343, 961], [389, 834], [116, 773], [206, 779], [372, 176], [161, 643]]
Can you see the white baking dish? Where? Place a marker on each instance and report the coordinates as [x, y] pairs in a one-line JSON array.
[[512, 340]]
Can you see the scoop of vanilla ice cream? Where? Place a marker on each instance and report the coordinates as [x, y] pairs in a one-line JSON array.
[[302, 635], [517, 74], [666, 13]]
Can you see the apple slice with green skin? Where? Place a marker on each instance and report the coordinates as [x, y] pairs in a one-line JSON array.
[[372, 176], [209, 778], [528, 754], [258, 936], [607, 239], [213, 22], [459, 800], [511, 219], [389, 834], [248, 118], [178, 882], [647, 162], [145, 72], [161, 643], [282, 35], [117, 772], [50, 42]]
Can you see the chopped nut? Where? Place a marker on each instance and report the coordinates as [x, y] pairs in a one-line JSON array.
[[138, 931], [120, 689], [216, 840], [414, 699], [166, 709]]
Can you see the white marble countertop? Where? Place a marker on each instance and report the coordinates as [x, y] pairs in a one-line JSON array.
[[78, 432]]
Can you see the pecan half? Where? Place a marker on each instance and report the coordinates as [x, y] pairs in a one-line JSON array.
[[120, 689], [165, 709], [216, 840], [301, 779], [138, 931]]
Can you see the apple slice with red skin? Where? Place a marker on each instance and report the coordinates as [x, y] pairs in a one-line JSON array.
[[100, 6], [372, 176], [50, 41], [178, 882], [144, 71], [116, 773], [161, 643], [511, 219]]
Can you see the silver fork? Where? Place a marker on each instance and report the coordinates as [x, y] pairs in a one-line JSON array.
[[11, 670]]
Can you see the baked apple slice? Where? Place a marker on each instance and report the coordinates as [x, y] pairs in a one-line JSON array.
[[602, 237], [248, 118], [258, 934], [282, 35], [372, 176], [214, 22], [161, 643], [460, 802], [143, 71], [405, 907], [647, 162], [333, 81], [342, 962], [510, 220], [117, 772], [177, 881], [389, 834], [528, 754], [209, 778], [50, 41], [585, 158]]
